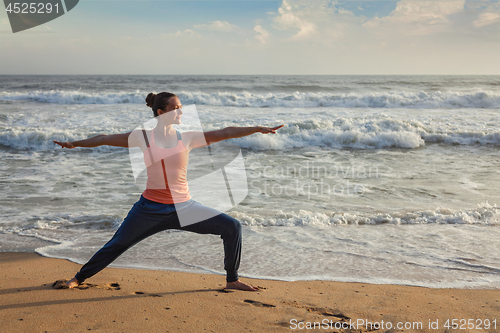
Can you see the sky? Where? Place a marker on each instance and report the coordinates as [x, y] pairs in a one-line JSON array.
[[286, 37]]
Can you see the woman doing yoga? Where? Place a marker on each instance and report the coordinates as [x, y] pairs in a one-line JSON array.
[[159, 206]]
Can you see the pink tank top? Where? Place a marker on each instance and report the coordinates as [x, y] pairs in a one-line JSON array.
[[167, 172]]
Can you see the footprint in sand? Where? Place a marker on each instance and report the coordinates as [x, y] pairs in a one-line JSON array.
[[321, 311], [61, 284], [143, 293], [259, 304], [225, 291]]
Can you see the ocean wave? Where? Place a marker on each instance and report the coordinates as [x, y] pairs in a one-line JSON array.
[[64, 222], [42, 140], [364, 134], [480, 99], [464, 138], [484, 214], [341, 133], [75, 97]]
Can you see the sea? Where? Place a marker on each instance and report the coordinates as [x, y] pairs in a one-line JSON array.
[[372, 179]]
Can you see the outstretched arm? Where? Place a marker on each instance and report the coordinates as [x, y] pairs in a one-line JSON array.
[[116, 140], [201, 139]]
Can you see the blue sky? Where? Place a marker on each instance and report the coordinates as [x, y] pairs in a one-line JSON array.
[[260, 37]]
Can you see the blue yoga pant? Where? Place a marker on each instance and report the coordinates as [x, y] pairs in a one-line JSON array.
[[147, 218]]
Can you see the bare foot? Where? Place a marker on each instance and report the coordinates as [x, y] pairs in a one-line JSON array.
[[240, 286], [72, 283]]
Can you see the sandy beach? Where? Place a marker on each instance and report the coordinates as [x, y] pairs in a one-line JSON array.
[[129, 300]]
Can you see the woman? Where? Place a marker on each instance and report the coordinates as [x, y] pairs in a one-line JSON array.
[[157, 208]]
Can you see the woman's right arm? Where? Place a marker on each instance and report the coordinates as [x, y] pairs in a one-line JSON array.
[[117, 140]]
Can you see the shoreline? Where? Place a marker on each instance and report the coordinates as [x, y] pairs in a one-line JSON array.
[[208, 272], [11, 241], [119, 299]]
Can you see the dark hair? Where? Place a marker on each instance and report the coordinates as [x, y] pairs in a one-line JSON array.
[[158, 101]]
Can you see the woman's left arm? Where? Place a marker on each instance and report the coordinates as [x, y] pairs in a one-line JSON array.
[[201, 139]]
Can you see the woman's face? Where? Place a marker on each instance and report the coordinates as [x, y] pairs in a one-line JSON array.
[[173, 112]]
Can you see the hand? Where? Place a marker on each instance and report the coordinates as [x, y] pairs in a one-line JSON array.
[[65, 144], [266, 130]]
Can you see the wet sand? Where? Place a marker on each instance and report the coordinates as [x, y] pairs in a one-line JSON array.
[[131, 300]]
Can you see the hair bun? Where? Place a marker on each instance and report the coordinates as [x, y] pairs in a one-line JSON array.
[[150, 99]]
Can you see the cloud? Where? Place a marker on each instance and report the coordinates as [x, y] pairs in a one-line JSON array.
[[418, 17], [290, 18], [263, 34], [417, 36], [320, 21], [486, 19], [223, 26], [185, 33]]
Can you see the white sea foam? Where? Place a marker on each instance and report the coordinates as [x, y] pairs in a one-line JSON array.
[[343, 133], [418, 248], [484, 214], [63, 222], [43, 139], [429, 100], [366, 134], [37, 139], [340, 133], [464, 138], [75, 97]]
